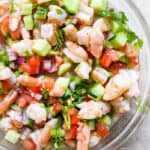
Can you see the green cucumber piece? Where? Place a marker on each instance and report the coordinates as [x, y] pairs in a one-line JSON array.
[[72, 6], [119, 40], [96, 92], [28, 22], [99, 5], [27, 9], [92, 124], [64, 68], [12, 136], [41, 47], [41, 13], [106, 119], [43, 1]]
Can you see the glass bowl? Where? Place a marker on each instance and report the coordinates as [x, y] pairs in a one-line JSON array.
[[128, 123]]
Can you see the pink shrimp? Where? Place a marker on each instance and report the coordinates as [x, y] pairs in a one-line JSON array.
[[83, 137], [28, 81], [45, 134], [8, 101]]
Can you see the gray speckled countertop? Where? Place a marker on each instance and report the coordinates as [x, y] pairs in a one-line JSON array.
[[141, 139]]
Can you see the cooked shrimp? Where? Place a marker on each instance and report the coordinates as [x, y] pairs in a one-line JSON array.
[[96, 43], [94, 139], [121, 105], [59, 87], [70, 33], [48, 32], [5, 73], [102, 25], [56, 18], [120, 83], [14, 21], [25, 33], [83, 70], [4, 9], [45, 132], [83, 137], [93, 110], [100, 75], [85, 15], [84, 36], [77, 54], [8, 101], [22, 47], [36, 34], [28, 81], [34, 109]]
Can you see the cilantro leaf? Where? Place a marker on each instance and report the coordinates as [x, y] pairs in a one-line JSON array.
[[104, 13], [45, 93], [4, 58]]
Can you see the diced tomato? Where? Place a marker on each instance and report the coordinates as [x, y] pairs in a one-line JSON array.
[[17, 124], [7, 85], [115, 67], [134, 61], [41, 124], [22, 101], [36, 89], [71, 134], [49, 83], [108, 57], [74, 119], [5, 26], [34, 61], [57, 107], [52, 100], [15, 35], [102, 129], [29, 69], [58, 61], [29, 144], [72, 111]]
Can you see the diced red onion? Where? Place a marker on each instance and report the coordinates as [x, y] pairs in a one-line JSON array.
[[25, 133], [52, 69], [38, 96], [15, 115], [12, 55], [47, 64], [21, 60]]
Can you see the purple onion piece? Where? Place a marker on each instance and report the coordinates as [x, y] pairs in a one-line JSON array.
[[47, 64], [52, 69], [21, 60], [11, 54]]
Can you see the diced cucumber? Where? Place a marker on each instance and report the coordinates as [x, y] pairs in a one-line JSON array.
[[28, 22], [64, 68], [27, 9], [9, 41], [124, 59], [99, 5], [96, 92], [72, 6], [119, 40], [106, 119], [12, 136], [92, 124], [41, 13], [43, 1], [41, 47], [2, 66], [63, 82], [120, 54]]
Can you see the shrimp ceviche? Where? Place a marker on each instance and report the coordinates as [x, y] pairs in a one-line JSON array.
[[66, 68]]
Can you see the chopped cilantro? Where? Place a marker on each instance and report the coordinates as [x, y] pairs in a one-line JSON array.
[[59, 11], [45, 93], [4, 57], [104, 13]]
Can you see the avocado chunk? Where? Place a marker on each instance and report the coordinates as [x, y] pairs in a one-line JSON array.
[[64, 68], [41, 47], [119, 39], [96, 92], [99, 5], [72, 6]]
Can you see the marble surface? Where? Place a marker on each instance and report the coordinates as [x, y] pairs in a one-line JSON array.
[[141, 139]]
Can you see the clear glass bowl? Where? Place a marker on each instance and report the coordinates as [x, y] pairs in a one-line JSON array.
[[128, 123]]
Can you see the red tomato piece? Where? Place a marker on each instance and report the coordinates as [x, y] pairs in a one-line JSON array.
[[29, 69], [57, 107], [15, 35], [5, 26], [36, 89], [49, 83], [22, 101], [58, 61], [7, 85], [74, 119], [71, 134], [102, 129], [34, 61], [29, 144]]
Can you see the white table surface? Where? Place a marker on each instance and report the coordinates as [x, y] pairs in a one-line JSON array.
[[141, 139]]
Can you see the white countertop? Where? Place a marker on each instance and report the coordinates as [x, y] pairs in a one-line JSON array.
[[141, 139]]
